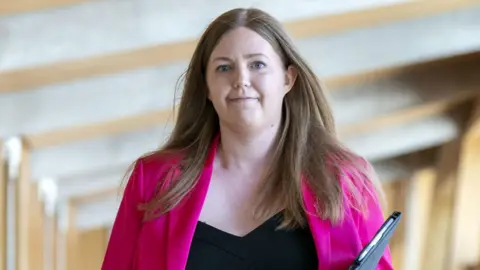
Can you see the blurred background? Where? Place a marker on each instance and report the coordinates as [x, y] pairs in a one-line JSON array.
[[86, 87]]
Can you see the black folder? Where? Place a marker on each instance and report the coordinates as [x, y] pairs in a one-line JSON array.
[[371, 254]]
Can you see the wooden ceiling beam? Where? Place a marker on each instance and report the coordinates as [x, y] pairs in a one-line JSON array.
[[383, 73], [61, 72], [21, 6], [107, 128], [429, 109], [374, 16], [474, 121]]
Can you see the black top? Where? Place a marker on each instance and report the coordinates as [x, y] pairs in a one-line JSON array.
[[263, 248]]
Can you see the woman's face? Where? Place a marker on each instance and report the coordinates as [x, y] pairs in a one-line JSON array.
[[247, 80]]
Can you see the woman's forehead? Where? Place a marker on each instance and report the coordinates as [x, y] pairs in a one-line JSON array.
[[242, 41]]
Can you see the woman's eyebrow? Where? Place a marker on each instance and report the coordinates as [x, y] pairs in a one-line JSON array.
[[246, 56]]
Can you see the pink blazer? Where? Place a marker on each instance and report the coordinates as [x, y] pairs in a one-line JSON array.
[[164, 243]]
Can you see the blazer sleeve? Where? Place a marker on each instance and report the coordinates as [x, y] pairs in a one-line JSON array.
[[368, 226], [122, 244]]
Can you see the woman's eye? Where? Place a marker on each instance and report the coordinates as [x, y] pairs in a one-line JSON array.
[[223, 68], [257, 65]]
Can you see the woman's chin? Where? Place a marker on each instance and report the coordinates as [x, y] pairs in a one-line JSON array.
[[243, 124]]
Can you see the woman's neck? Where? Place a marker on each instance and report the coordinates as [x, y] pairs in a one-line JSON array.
[[246, 150]]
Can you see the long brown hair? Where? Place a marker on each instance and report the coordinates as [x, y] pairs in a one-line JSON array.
[[307, 148]]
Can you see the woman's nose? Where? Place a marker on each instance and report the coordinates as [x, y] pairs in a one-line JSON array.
[[242, 78]]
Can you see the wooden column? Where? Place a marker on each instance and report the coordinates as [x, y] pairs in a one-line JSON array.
[[85, 249], [36, 230], [396, 195], [91, 248], [419, 201], [72, 240], [3, 209], [55, 240], [465, 249], [22, 212], [62, 247], [61, 250], [436, 253], [29, 218], [50, 241], [454, 224]]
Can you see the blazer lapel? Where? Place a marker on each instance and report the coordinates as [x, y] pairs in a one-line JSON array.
[[320, 229], [182, 220]]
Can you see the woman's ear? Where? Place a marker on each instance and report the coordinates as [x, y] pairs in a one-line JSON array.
[[290, 77]]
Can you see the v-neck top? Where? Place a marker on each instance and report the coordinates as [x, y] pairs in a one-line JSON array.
[[264, 248]]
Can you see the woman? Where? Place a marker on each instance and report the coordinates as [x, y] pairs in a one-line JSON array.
[[253, 176]]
